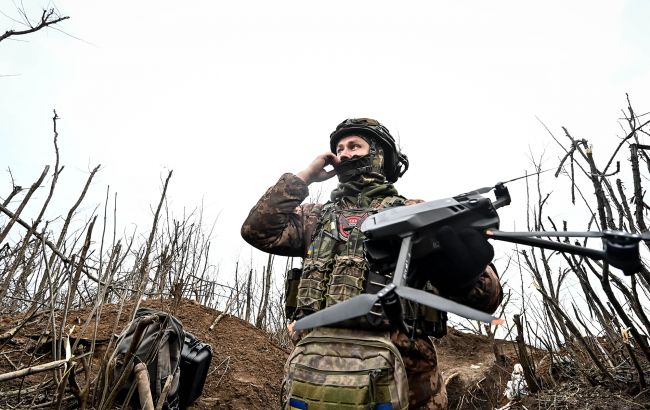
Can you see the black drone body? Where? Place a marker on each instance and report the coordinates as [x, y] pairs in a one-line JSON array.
[[385, 229], [397, 235]]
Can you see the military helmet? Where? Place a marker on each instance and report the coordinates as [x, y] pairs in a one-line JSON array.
[[395, 163]]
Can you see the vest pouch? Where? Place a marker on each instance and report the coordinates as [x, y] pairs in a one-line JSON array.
[[347, 279], [291, 283], [311, 289], [345, 369], [433, 322], [427, 320]]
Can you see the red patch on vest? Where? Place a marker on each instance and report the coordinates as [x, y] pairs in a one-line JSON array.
[[348, 222]]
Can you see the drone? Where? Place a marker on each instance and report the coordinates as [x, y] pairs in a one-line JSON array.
[[412, 229]]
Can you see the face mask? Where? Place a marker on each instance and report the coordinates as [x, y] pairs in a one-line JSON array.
[[356, 166]]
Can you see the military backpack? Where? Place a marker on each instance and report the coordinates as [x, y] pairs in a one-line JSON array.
[[158, 339], [332, 369]]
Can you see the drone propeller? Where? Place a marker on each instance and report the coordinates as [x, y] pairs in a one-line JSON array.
[[440, 303], [362, 304], [479, 191], [351, 308]]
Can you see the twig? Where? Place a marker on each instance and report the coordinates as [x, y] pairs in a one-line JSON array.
[[165, 391], [31, 370], [14, 190], [50, 245], [15, 217], [143, 271], [225, 361], [47, 19], [524, 359], [29, 390], [144, 389], [227, 308]]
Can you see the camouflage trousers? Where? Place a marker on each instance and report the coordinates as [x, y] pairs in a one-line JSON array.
[[426, 386]]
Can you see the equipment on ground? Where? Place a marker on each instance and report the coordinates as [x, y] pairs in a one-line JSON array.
[[195, 363], [171, 355]]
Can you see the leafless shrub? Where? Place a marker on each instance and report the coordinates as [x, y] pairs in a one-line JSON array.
[[595, 322], [48, 267]]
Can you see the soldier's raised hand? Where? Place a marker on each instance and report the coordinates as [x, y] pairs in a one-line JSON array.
[[315, 172]]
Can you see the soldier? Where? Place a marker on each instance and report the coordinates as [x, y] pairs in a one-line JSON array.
[[367, 162]]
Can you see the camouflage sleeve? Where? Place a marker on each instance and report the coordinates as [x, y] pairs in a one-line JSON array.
[[486, 294], [278, 224]]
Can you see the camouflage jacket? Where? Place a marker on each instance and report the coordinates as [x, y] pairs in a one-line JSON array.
[[279, 224]]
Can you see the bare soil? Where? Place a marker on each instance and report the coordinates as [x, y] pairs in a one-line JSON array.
[[246, 369]]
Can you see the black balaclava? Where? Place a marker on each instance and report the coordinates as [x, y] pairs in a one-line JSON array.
[[370, 165], [362, 178]]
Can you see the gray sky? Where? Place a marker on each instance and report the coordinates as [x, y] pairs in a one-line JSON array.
[[232, 94]]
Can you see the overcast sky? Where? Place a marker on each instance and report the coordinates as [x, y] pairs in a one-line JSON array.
[[230, 95]]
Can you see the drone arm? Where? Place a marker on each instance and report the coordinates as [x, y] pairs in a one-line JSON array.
[[403, 260], [547, 244]]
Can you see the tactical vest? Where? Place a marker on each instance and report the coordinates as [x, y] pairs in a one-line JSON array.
[[335, 269]]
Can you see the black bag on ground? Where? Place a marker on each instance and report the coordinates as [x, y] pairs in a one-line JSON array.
[[195, 362], [161, 342]]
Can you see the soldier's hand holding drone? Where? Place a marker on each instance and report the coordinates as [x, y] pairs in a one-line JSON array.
[[463, 256]]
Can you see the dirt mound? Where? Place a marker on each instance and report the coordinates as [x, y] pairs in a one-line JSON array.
[[473, 377], [246, 369]]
